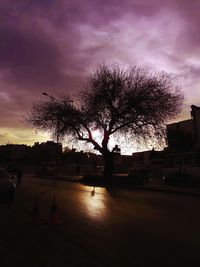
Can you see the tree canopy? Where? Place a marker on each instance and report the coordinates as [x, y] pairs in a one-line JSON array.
[[134, 102]]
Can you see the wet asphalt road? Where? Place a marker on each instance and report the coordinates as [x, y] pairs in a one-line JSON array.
[[100, 227]]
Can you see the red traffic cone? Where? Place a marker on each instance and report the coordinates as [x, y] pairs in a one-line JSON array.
[[35, 213], [54, 216]]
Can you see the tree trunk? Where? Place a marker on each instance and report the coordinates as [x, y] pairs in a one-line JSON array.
[[108, 165]]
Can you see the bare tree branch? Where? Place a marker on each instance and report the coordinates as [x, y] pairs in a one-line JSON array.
[[114, 100]]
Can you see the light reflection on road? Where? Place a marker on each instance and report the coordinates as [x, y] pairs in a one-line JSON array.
[[95, 202]]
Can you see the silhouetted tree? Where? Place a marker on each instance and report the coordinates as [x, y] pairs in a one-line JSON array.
[[134, 102]]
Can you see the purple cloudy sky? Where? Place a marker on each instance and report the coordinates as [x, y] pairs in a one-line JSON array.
[[50, 45]]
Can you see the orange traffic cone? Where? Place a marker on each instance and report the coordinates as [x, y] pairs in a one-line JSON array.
[[35, 213], [54, 217]]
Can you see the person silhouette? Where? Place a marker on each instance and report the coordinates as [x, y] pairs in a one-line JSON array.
[[19, 173], [93, 192]]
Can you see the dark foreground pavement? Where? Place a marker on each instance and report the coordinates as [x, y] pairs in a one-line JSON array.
[[23, 243], [100, 227]]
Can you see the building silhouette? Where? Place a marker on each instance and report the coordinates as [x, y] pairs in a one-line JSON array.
[[183, 151], [14, 153]]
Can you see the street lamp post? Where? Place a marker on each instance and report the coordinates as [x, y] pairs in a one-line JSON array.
[[57, 137], [57, 146], [57, 133]]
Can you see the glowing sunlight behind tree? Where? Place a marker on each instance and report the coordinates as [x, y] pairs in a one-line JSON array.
[[133, 103]]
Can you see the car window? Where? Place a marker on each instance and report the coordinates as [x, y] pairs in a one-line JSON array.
[[3, 174]]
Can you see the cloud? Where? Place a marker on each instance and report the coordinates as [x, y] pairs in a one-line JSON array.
[[53, 45]]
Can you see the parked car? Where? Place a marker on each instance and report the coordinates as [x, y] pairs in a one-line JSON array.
[[180, 178], [7, 186]]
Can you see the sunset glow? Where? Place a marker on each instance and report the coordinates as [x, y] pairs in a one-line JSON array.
[[54, 45]]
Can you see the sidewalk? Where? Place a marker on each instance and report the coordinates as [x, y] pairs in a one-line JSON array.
[[157, 185], [153, 185]]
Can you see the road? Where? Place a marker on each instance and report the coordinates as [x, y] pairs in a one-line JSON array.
[[100, 227]]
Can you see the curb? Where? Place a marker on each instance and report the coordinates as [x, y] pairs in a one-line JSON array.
[[177, 192], [162, 190]]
